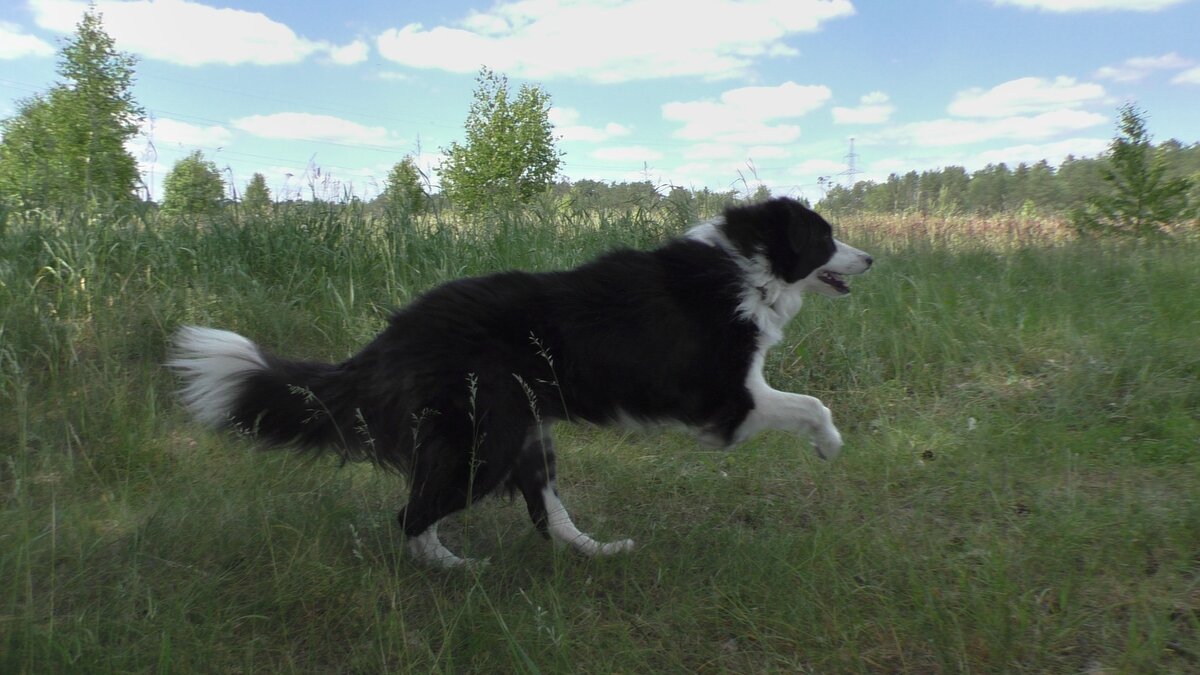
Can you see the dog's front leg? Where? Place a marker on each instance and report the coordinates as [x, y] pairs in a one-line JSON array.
[[797, 413]]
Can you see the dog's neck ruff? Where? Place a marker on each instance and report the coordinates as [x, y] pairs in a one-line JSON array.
[[766, 300]]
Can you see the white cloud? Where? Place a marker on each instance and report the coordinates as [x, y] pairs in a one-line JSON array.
[[193, 34], [1190, 76], [392, 76], [1054, 153], [1024, 96], [15, 43], [1064, 6], [165, 131], [613, 40], [310, 127], [1139, 67], [627, 154], [814, 168], [747, 116], [733, 152], [947, 132], [355, 52], [873, 108], [566, 124]]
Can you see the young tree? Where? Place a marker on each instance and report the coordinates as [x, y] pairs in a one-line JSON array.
[[404, 196], [193, 188], [69, 144], [104, 114], [1141, 201], [256, 200], [30, 172], [761, 193], [509, 154]]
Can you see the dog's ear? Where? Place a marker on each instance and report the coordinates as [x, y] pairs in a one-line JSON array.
[[800, 231], [810, 239]]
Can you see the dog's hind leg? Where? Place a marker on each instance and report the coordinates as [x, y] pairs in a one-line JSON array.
[[535, 469], [534, 475], [443, 482], [457, 462], [419, 520], [427, 548]]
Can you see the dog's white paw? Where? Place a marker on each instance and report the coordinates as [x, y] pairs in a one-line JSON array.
[[826, 437], [616, 547], [828, 443]]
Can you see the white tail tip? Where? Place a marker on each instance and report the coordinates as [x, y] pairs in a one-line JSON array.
[[213, 365]]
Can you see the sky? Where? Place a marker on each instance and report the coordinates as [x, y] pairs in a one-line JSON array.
[[324, 98]]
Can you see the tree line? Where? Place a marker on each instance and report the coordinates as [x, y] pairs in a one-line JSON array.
[[1137, 188], [1032, 189]]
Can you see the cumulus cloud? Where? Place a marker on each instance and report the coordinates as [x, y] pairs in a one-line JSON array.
[[192, 34], [819, 167], [1024, 96], [612, 40], [749, 115], [633, 153], [1140, 67], [566, 124], [309, 127], [1064, 6], [355, 52], [16, 43], [874, 108], [732, 152], [947, 132], [1189, 76], [166, 131], [1054, 153]]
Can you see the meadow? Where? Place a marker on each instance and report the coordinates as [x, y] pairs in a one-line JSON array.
[[1018, 491]]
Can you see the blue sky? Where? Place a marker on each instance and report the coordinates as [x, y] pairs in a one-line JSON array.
[[705, 93]]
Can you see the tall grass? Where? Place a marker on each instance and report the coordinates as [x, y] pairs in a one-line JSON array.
[[1017, 492]]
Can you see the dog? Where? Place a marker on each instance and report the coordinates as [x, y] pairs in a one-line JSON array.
[[460, 390]]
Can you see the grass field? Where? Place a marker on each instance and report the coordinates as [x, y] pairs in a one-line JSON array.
[[1019, 489]]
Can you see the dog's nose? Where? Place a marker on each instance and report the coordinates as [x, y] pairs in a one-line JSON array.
[[870, 261]]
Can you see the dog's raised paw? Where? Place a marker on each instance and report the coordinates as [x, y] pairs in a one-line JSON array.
[[616, 547]]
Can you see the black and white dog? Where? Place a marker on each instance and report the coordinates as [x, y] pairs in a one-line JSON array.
[[460, 390]]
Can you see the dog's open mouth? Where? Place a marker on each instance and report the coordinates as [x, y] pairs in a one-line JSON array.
[[835, 280]]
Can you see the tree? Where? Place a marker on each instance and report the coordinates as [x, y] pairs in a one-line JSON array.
[[31, 175], [404, 196], [1141, 201], [69, 144], [509, 154], [193, 188], [988, 191], [256, 200], [1042, 188], [952, 191]]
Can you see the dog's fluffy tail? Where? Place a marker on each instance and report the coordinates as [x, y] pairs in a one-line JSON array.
[[229, 382]]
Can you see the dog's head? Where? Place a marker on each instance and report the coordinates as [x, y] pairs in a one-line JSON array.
[[797, 244]]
